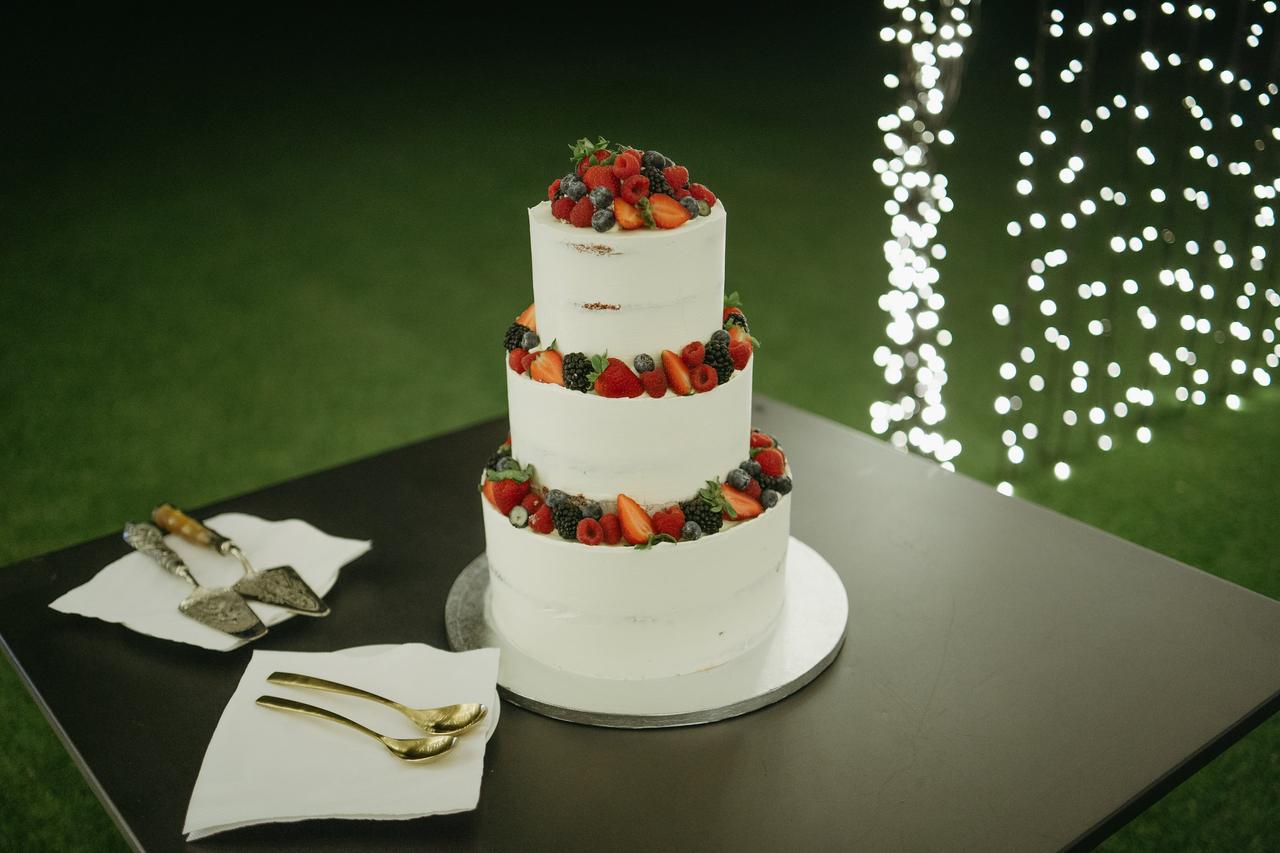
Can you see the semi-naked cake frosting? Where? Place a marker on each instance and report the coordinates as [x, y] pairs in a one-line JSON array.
[[636, 525]]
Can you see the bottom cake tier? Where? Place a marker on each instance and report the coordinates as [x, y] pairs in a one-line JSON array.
[[628, 613]]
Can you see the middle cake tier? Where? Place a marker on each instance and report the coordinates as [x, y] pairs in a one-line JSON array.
[[654, 450]]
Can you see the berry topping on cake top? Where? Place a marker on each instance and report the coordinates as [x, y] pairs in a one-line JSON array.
[[616, 186]]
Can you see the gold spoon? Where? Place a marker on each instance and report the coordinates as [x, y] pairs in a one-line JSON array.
[[416, 750], [446, 720]]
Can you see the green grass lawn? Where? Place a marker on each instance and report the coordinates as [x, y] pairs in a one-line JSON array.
[[220, 280]]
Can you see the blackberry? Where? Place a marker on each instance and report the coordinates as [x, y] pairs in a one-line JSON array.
[[781, 485], [718, 335], [717, 355], [577, 372], [657, 181], [515, 335], [738, 320], [565, 517], [702, 514]]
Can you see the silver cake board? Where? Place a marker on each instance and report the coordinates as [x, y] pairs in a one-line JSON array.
[[805, 639]]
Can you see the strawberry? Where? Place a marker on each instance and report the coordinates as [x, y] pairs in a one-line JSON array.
[[639, 155], [704, 378], [561, 208], [548, 366], [677, 373], [701, 193], [516, 358], [680, 193], [508, 494], [541, 521], [526, 361], [628, 217], [772, 462], [635, 188], [669, 521], [667, 212], [637, 527], [585, 162], [590, 532], [654, 382], [732, 309], [489, 493], [740, 352], [580, 216], [693, 354], [677, 176], [531, 502], [601, 176], [762, 439], [625, 165], [553, 189], [744, 506], [753, 490], [528, 318], [612, 528], [617, 380], [737, 334]]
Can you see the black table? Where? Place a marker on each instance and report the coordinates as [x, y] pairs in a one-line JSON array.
[[1012, 680]]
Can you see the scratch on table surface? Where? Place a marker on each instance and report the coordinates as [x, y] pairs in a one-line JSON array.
[[942, 662]]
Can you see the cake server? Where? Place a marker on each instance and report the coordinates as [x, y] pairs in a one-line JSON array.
[[218, 608], [281, 585], [446, 720]]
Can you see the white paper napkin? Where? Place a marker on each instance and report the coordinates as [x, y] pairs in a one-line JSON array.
[[270, 766], [137, 593]]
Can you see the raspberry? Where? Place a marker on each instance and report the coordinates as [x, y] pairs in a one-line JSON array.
[[600, 176], [532, 503], [625, 166], [612, 528], [590, 532], [701, 193], [704, 378], [677, 176], [655, 382], [772, 462], [635, 188], [580, 216], [561, 207], [553, 189], [753, 489], [693, 355], [541, 521], [669, 521], [514, 360]]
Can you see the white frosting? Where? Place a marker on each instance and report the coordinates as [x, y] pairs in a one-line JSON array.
[[662, 288], [621, 613], [654, 451]]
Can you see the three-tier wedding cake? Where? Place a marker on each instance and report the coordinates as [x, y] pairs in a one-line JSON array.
[[636, 525]]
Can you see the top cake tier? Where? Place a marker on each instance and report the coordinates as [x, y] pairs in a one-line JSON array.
[[627, 292]]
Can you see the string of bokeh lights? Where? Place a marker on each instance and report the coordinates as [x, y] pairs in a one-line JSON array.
[[1149, 226], [930, 35]]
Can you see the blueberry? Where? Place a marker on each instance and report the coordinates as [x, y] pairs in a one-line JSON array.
[[530, 340], [554, 498], [752, 467], [782, 484], [601, 198], [602, 220], [575, 190], [704, 209], [690, 204], [507, 464], [593, 510], [691, 530], [519, 516], [719, 335], [738, 478], [769, 498], [644, 363], [654, 160], [568, 179]]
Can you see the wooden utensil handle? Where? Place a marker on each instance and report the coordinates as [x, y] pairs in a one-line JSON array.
[[176, 521]]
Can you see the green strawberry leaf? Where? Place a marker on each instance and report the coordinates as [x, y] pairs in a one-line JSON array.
[[713, 496], [584, 147], [732, 300], [598, 365], [655, 539], [520, 475]]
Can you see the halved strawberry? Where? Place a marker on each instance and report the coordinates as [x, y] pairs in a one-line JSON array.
[[548, 366], [612, 527], [529, 317], [628, 217], [508, 494], [743, 504], [542, 522], [526, 361], [704, 378], [740, 352], [637, 526], [617, 380], [489, 493], [693, 354], [677, 374], [772, 462], [667, 212], [514, 360]]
